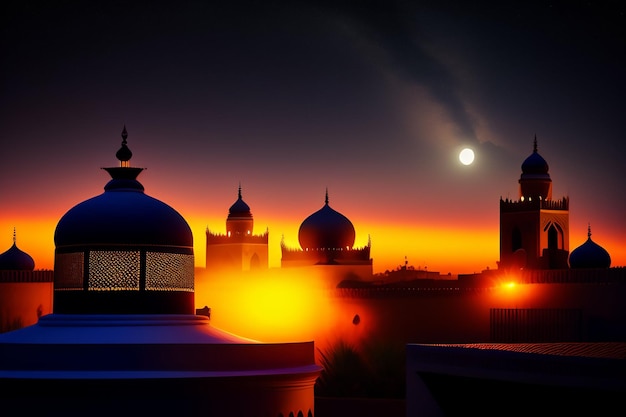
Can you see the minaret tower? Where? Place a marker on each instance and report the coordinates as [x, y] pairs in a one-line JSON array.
[[239, 249], [534, 230]]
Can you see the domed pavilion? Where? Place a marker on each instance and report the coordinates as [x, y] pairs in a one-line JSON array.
[[326, 240], [123, 336], [534, 229]]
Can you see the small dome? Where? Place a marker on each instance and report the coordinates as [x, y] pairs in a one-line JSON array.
[[535, 165], [589, 255], [326, 229], [239, 209], [16, 259]]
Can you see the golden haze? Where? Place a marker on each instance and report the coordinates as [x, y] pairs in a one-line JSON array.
[[444, 249]]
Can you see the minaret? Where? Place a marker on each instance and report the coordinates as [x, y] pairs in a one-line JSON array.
[[534, 230], [240, 249]]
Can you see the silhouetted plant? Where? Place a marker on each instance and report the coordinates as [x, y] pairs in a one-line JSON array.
[[375, 371], [343, 373]]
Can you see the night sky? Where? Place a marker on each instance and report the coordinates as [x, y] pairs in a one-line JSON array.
[[370, 100]]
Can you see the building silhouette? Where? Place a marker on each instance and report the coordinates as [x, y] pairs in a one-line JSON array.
[[589, 255], [123, 335], [326, 240], [534, 230], [25, 293], [239, 249], [125, 279]]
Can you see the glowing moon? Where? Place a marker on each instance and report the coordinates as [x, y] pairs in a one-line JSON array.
[[466, 156]]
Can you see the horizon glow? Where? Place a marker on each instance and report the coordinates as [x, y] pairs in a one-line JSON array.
[[445, 249]]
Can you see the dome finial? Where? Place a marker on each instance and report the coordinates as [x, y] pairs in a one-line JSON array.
[[589, 231], [14, 236], [326, 199], [535, 144], [124, 154], [239, 192]]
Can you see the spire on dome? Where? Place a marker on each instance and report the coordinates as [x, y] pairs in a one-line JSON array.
[[326, 199], [124, 176], [14, 236], [535, 144], [239, 211], [589, 231], [124, 154]]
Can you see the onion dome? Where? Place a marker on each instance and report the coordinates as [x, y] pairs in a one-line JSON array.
[[239, 209], [535, 180], [326, 229], [535, 164], [123, 251], [239, 221], [589, 255], [16, 259]]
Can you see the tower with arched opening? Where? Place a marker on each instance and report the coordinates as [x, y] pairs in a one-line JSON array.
[[239, 249], [534, 230]]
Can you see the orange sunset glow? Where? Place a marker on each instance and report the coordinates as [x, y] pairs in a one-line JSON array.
[[312, 208], [446, 250]]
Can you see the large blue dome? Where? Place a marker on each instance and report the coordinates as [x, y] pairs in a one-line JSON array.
[[326, 229], [123, 213], [123, 252], [589, 255]]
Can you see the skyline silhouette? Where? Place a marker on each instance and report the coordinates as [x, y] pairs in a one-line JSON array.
[[288, 100]]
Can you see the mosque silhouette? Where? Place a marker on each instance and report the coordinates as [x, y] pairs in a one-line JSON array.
[[122, 326], [123, 335]]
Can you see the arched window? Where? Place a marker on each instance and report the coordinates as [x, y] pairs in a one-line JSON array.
[[255, 262], [555, 236]]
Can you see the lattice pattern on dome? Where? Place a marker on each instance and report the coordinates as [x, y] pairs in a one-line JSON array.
[[169, 271], [68, 271], [114, 270]]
